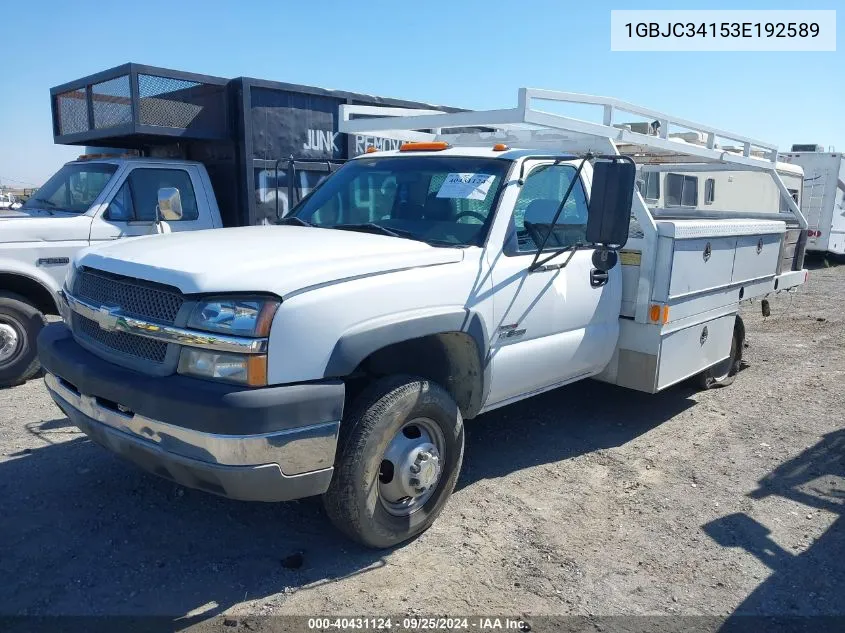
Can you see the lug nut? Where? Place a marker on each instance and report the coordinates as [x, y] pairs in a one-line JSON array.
[[420, 490], [414, 481], [415, 468], [424, 455]]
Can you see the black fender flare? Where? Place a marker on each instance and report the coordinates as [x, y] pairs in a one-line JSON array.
[[357, 344]]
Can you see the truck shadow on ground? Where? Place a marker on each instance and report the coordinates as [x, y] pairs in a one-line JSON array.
[[84, 533], [808, 583], [561, 424]]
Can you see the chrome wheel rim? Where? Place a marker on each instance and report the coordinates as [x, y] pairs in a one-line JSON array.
[[411, 467], [9, 341]]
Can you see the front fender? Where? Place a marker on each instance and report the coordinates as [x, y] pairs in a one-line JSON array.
[[360, 341], [34, 273]]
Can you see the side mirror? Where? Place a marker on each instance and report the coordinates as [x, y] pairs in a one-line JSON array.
[[611, 194], [169, 204]]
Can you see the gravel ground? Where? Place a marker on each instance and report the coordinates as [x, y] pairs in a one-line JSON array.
[[589, 500]]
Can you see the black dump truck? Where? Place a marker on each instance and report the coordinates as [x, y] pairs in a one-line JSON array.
[[260, 141]]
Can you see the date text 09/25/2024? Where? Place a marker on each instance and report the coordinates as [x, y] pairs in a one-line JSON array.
[[420, 623]]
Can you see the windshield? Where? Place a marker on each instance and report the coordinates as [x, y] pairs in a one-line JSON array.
[[73, 188], [438, 199]]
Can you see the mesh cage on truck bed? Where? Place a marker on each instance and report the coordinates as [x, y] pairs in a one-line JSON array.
[[123, 105], [244, 131]]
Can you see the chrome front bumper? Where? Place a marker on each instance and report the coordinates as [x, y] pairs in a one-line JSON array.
[[277, 466]]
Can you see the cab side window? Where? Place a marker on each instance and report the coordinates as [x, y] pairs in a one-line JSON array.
[[137, 199], [539, 200]]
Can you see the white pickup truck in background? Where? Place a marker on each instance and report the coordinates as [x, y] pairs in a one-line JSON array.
[[9, 201], [340, 353], [87, 202]]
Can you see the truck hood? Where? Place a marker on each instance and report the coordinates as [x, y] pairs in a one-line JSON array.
[[277, 259], [26, 225]]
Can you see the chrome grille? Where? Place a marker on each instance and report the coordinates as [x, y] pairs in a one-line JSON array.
[[121, 342], [157, 303], [136, 298]]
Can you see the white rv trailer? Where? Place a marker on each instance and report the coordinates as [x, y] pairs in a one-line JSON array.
[[717, 193], [665, 185], [823, 203]]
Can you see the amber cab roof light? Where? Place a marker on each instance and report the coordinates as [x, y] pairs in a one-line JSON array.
[[129, 154], [434, 146]]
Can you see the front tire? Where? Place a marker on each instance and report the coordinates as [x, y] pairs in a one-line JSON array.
[[724, 373], [20, 323], [399, 455]]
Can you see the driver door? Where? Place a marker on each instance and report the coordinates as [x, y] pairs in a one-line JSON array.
[[132, 210], [553, 326]]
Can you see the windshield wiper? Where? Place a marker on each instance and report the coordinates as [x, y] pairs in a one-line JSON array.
[[294, 220], [48, 203], [372, 227]]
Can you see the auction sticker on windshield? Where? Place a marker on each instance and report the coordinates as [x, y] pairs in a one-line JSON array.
[[466, 186]]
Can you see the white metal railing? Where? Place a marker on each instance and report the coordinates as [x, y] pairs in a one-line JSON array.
[[599, 138], [427, 124]]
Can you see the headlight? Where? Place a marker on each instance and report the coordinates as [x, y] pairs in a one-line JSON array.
[[234, 316], [243, 369]]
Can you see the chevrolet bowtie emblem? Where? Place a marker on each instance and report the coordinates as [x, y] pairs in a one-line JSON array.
[[107, 317]]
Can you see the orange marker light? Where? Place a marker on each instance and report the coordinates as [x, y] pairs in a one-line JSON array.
[[665, 314], [500, 147], [654, 313], [256, 370], [434, 146], [371, 149]]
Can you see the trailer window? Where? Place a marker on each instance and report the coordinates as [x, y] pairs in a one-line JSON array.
[[681, 190], [423, 196], [649, 185], [784, 206], [544, 188], [137, 199], [709, 191]]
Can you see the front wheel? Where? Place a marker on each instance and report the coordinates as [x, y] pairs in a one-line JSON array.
[[724, 373], [399, 456], [20, 323]]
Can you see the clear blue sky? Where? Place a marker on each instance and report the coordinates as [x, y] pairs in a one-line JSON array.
[[468, 53]]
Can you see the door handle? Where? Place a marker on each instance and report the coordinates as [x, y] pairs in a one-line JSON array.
[[598, 278]]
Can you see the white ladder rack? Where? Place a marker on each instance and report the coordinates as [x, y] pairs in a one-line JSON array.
[[415, 125], [525, 120]]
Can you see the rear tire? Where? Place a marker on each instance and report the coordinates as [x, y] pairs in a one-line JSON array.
[[20, 323], [724, 373], [396, 426]]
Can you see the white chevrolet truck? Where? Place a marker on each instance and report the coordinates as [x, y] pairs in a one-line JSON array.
[[340, 352]]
